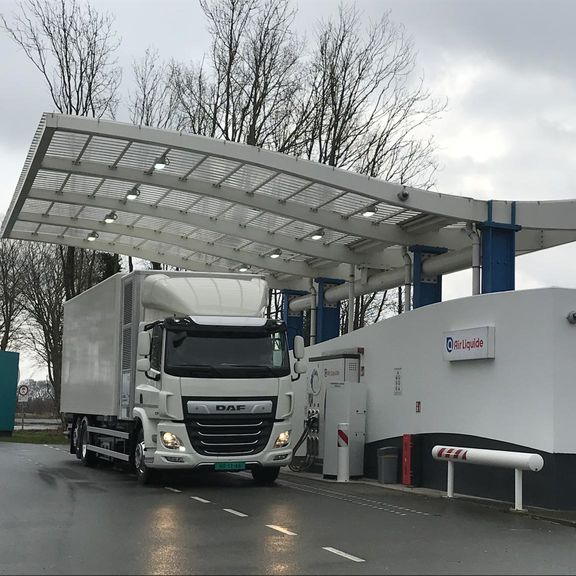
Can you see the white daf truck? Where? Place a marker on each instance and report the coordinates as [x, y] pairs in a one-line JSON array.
[[179, 370]]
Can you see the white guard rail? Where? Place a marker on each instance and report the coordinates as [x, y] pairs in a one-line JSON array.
[[518, 460]]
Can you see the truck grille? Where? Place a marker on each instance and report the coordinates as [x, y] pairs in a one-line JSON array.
[[229, 434], [232, 435]]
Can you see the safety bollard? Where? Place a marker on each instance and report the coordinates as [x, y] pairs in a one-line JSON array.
[[343, 454], [518, 460]]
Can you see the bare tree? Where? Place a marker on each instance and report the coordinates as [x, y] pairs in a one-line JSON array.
[[11, 303], [82, 268], [352, 103], [368, 111], [153, 103], [44, 293], [253, 81], [72, 45], [367, 107], [195, 95]]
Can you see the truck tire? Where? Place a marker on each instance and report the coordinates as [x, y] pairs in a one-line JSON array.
[[265, 474], [87, 457], [144, 475]]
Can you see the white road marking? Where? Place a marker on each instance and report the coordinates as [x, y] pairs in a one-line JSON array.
[[172, 489], [235, 512], [198, 499], [280, 529], [343, 554]]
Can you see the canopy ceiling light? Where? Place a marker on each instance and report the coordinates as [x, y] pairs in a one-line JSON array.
[[92, 236], [318, 235], [370, 211], [243, 269], [161, 162], [110, 217], [276, 253], [133, 193]]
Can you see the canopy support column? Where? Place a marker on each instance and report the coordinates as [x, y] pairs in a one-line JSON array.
[[328, 315], [351, 280], [294, 320], [427, 289], [498, 253]]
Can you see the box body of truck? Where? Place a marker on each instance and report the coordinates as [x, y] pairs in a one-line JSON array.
[[177, 370]]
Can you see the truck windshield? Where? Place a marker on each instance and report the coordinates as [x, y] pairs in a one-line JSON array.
[[226, 351]]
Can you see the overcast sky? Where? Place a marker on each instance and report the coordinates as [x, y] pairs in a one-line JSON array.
[[505, 66]]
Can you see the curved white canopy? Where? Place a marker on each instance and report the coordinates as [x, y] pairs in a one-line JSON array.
[[222, 206]]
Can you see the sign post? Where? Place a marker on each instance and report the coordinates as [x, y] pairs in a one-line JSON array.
[[23, 393]]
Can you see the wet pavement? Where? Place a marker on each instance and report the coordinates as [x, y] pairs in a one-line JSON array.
[[564, 517], [59, 517]]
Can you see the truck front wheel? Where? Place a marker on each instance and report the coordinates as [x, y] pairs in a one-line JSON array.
[[144, 474], [265, 474]]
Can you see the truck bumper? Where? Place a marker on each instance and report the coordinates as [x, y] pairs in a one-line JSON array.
[[188, 458]]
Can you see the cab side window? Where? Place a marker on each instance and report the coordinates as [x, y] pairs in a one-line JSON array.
[[156, 348]]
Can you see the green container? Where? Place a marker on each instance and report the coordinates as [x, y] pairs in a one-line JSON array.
[[8, 385]]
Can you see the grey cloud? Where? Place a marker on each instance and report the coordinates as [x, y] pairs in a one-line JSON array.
[[531, 34]]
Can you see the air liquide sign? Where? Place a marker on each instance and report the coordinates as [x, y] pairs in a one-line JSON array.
[[469, 344]]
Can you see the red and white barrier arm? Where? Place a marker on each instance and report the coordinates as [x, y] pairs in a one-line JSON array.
[[500, 458]]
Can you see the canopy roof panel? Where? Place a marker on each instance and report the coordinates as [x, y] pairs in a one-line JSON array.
[[224, 206]]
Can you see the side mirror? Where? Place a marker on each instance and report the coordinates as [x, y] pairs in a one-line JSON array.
[[300, 366], [298, 347], [144, 339], [142, 364]]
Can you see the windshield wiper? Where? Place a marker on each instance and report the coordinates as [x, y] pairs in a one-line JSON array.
[[200, 367], [251, 367]]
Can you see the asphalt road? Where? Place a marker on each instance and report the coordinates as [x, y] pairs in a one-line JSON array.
[[58, 517]]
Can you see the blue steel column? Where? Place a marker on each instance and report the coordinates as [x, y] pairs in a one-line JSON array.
[[427, 289], [327, 315], [294, 320], [498, 253]]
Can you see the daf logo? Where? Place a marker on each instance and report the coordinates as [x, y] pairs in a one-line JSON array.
[[230, 407]]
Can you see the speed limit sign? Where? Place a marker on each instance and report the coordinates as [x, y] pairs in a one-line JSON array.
[[23, 392]]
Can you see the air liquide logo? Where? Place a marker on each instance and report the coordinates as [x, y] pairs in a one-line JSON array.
[[463, 343], [471, 344]]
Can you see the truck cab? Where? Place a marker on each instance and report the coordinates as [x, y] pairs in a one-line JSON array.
[[216, 393]]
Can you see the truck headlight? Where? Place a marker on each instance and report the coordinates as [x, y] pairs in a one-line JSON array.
[[171, 441], [282, 440]]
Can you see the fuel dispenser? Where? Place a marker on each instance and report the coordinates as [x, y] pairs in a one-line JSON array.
[[334, 394]]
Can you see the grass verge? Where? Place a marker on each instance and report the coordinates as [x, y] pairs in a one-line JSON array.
[[35, 437]]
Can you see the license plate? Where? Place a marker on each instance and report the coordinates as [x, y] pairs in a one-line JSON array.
[[230, 466]]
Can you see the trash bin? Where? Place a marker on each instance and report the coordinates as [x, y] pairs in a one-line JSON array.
[[388, 465]]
